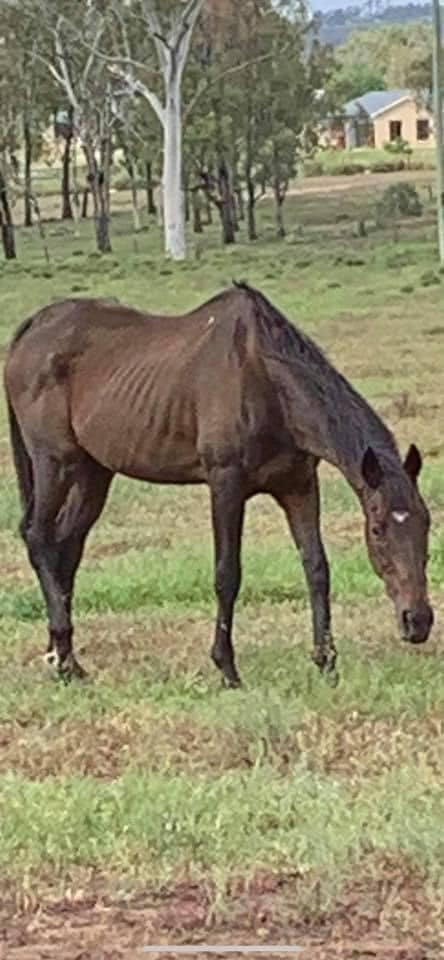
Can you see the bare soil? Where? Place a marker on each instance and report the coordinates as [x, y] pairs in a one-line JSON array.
[[333, 184], [385, 914]]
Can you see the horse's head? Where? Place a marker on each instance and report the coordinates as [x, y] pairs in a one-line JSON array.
[[397, 529]]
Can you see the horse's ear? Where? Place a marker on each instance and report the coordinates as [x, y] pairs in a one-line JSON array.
[[413, 463], [371, 469]]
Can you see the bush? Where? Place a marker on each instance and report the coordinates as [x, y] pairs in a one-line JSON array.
[[122, 180], [429, 278], [313, 168], [387, 166], [399, 200], [348, 168], [398, 146]]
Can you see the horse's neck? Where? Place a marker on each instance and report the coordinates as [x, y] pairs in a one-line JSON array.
[[337, 425]]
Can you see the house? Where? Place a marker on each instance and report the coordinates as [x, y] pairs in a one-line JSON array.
[[380, 117]]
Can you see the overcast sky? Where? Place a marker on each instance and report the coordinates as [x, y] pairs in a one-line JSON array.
[[335, 4]]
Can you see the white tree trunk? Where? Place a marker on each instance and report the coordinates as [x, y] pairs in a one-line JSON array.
[[173, 206], [172, 53], [159, 205]]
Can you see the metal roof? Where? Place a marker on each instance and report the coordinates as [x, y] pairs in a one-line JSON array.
[[376, 101]]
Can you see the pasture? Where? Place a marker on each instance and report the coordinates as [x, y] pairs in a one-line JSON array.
[[151, 805]]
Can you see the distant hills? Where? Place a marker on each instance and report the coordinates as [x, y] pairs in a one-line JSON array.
[[336, 24]]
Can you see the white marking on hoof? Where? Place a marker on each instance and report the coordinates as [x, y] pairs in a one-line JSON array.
[[51, 658]]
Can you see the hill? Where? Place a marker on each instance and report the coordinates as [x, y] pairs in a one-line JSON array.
[[336, 24]]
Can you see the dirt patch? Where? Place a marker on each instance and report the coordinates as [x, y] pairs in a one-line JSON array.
[[364, 181], [116, 548], [357, 747], [385, 913], [139, 740], [144, 739]]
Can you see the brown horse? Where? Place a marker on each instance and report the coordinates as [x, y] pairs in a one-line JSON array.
[[230, 395]]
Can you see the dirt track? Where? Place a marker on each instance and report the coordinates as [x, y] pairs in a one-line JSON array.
[[361, 181]]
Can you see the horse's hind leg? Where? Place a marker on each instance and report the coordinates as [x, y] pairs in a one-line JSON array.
[[227, 503], [65, 506], [81, 510]]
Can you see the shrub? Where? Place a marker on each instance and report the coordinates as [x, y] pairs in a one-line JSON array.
[[390, 165], [348, 168], [313, 168], [399, 200], [398, 146]]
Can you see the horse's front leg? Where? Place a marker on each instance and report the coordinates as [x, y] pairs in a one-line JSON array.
[[303, 516], [227, 507]]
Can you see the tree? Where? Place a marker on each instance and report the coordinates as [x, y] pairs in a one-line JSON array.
[[352, 80], [64, 128], [29, 90], [438, 107], [255, 80], [9, 128], [381, 58], [212, 129], [69, 35], [170, 32], [6, 221], [83, 79], [289, 82]]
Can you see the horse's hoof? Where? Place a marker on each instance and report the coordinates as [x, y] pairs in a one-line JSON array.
[[78, 672], [231, 683], [332, 677], [70, 670], [51, 659]]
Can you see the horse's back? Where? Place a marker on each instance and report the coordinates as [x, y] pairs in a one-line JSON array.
[[142, 394]]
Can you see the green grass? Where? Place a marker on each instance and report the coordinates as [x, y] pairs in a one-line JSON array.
[[152, 772], [182, 578], [157, 826], [328, 162]]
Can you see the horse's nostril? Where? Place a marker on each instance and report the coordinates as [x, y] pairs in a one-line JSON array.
[[416, 625]]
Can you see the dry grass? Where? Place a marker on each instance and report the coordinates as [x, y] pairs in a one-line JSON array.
[[153, 804]]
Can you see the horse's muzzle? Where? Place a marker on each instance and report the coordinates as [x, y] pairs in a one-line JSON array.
[[417, 624]]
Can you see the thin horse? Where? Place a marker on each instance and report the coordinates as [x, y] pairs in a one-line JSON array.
[[231, 395]]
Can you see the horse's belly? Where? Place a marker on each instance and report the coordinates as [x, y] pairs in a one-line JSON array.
[[155, 441]]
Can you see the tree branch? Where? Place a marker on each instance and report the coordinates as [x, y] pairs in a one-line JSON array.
[[206, 84], [61, 57], [136, 87], [115, 59], [208, 183], [52, 70], [152, 19], [93, 52], [181, 36]]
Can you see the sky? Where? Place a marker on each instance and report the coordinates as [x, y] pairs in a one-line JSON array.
[[324, 5]]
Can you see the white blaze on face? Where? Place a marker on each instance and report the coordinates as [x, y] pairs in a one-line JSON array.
[[400, 516]]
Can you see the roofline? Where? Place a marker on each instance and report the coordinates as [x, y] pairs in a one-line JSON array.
[[395, 103]]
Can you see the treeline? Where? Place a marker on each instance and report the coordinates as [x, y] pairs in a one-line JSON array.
[[336, 25], [383, 58], [215, 100]]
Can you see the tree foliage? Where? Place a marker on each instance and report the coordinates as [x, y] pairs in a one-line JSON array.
[[213, 96], [395, 56]]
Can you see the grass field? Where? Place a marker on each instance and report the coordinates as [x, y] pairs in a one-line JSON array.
[[153, 806]]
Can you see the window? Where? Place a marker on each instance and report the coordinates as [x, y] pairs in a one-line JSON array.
[[422, 129], [395, 130]]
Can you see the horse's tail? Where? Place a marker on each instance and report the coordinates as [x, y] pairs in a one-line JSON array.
[[22, 460]]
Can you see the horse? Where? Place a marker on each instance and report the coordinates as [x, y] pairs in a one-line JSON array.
[[231, 395]]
